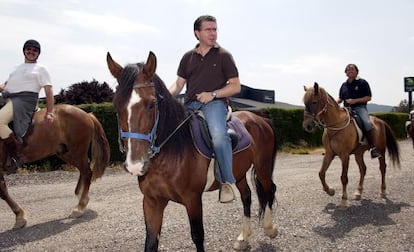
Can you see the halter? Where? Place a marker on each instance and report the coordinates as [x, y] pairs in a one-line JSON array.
[[316, 116], [151, 137], [318, 122]]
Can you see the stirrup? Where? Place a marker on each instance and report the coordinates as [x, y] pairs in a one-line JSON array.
[[375, 153], [226, 193]]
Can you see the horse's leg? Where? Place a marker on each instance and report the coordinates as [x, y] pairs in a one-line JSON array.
[[383, 169], [82, 187], [327, 159], [266, 189], [153, 214], [246, 230], [344, 180], [17, 210], [194, 209], [359, 158]]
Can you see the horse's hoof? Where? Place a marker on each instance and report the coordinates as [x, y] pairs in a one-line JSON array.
[[271, 232], [343, 205], [331, 192], [76, 213], [383, 195], [357, 196], [20, 223], [240, 245]]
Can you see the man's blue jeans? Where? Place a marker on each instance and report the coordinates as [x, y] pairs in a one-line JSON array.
[[215, 113]]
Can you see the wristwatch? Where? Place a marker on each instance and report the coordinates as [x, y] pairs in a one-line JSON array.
[[214, 94]]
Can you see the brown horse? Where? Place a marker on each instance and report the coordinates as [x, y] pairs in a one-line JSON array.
[[340, 138], [70, 137], [160, 151]]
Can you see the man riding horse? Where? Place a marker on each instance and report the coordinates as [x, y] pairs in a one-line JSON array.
[[21, 93], [355, 92]]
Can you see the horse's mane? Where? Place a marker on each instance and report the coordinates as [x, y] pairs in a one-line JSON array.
[[172, 112]]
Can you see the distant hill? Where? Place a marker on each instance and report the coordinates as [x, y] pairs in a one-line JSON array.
[[375, 108]]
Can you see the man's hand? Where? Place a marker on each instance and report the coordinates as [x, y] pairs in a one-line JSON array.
[[205, 97]]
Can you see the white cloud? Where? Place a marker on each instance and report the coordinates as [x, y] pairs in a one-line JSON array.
[[105, 23], [307, 65]]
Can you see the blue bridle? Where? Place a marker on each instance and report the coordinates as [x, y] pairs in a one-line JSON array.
[[150, 138]]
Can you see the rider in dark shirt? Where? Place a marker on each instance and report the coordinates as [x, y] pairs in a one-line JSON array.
[[356, 93]]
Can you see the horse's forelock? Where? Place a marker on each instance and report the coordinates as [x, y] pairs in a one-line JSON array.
[[126, 84]]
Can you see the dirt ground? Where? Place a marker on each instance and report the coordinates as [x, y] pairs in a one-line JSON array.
[[307, 218]]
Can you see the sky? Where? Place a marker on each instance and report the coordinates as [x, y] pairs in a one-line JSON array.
[[280, 45]]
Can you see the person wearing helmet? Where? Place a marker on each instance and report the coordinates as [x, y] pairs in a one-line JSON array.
[[21, 93]]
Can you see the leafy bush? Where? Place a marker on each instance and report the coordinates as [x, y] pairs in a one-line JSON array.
[[86, 93]]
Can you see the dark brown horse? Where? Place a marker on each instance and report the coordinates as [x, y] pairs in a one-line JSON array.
[[340, 138], [160, 151], [70, 137]]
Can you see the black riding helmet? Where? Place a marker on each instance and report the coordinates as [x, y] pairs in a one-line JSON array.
[[31, 42]]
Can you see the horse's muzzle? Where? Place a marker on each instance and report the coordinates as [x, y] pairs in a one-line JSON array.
[[309, 126]]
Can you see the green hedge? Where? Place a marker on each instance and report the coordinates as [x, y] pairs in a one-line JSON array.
[[288, 124]]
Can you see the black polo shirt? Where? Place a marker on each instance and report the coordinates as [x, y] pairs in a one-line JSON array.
[[352, 90], [208, 73]]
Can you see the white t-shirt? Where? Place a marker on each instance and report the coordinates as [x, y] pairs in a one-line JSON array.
[[28, 77]]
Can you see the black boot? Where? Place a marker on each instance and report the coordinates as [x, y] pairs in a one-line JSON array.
[[374, 151], [13, 149]]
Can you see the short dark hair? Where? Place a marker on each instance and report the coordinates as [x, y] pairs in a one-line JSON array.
[[200, 19]]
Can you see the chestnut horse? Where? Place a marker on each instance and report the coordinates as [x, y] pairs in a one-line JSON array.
[[160, 151], [70, 137], [340, 138]]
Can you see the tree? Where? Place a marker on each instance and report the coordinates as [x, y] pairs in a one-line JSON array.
[[402, 107], [86, 92]]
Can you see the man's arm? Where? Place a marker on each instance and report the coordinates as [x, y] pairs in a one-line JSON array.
[[49, 98], [177, 86], [233, 87]]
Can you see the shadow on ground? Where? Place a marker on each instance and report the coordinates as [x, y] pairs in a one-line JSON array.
[[10, 238], [365, 213]]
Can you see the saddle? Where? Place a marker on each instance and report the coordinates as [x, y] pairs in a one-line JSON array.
[[359, 126], [239, 135]]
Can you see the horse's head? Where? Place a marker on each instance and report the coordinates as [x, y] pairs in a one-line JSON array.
[[315, 100], [135, 102]]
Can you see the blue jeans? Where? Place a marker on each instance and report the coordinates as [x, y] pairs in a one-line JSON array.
[[362, 112], [215, 113]]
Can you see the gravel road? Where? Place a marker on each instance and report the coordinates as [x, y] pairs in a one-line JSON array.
[[308, 219]]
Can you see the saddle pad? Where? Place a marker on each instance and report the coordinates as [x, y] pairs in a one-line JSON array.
[[202, 145]]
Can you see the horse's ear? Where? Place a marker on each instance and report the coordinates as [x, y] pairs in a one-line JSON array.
[[305, 88], [151, 65], [114, 67], [316, 88]]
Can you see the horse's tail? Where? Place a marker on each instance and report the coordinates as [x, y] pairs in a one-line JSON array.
[[100, 151], [392, 145], [266, 198]]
